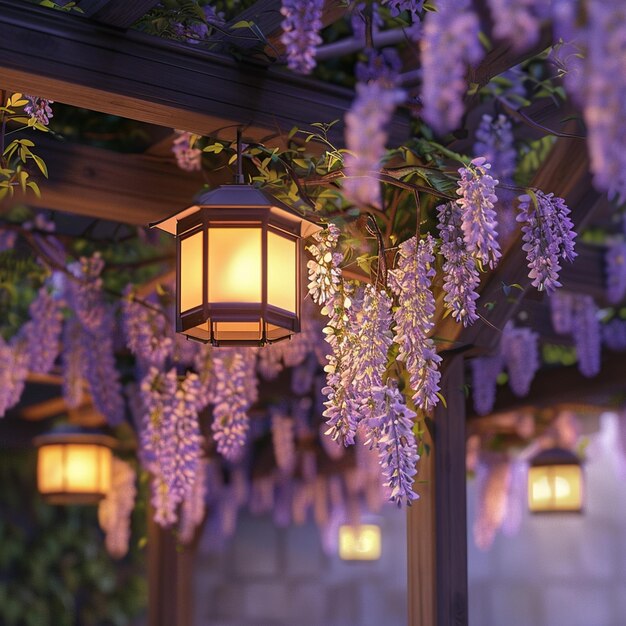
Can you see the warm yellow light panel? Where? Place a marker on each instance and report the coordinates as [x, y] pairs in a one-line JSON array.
[[191, 272], [246, 331], [359, 543], [281, 272], [74, 468], [555, 488], [235, 265]]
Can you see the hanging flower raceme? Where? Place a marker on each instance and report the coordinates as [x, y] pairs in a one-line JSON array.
[[73, 362], [188, 158], [84, 294], [324, 271], [586, 331], [193, 507], [494, 142], [13, 372], [614, 334], [477, 191], [520, 351], [38, 109], [461, 277], [283, 441], [115, 510], [548, 237], [449, 44], [615, 260], [485, 372], [518, 21], [231, 396], [411, 282], [301, 27], [397, 448], [562, 311], [42, 333], [170, 438], [398, 6]]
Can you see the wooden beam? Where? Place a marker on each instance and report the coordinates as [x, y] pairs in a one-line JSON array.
[[437, 523], [122, 13], [128, 188], [76, 61]]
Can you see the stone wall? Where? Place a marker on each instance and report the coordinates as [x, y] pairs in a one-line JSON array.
[[564, 570], [268, 576]]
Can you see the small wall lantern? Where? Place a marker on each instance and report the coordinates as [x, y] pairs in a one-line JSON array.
[[555, 482], [238, 267], [359, 543], [74, 467]]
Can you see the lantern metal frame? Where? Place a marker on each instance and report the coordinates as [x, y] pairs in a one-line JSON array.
[[238, 206], [553, 457], [69, 436]]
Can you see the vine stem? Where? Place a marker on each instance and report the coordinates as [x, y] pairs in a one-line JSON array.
[[3, 117]]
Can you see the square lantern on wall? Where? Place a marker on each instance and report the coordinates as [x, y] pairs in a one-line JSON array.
[[74, 467], [238, 267], [555, 482]]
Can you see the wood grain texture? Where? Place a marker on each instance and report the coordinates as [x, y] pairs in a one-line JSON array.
[[79, 62]]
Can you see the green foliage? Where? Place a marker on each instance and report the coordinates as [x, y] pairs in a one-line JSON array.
[[54, 570]]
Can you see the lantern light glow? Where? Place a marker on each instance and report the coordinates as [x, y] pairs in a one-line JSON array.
[[359, 543], [555, 482]]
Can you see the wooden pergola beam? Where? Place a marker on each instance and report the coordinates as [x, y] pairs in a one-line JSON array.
[[122, 13], [85, 64]]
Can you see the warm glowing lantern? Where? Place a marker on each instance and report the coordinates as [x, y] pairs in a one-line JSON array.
[[555, 482], [359, 543], [74, 467], [238, 267]]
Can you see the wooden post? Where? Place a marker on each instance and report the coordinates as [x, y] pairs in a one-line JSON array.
[[170, 573], [437, 523]]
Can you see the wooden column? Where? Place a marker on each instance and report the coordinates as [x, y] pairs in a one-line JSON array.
[[437, 523], [170, 575]]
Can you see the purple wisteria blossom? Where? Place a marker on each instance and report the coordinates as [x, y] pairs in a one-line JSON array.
[[38, 109], [73, 363], [193, 507], [477, 191], [42, 332], [7, 240], [518, 21], [615, 261], [302, 23], [494, 142], [324, 270], [398, 6], [230, 418], [614, 334], [13, 372], [115, 510], [84, 294], [147, 331], [562, 311], [366, 137], [485, 372], [520, 351], [397, 448], [170, 438], [461, 277], [410, 282], [188, 158], [548, 237], [449, 44], [586, 331]]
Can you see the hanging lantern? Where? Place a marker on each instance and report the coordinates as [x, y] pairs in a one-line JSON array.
[[555, 482], [359, 543], [238, 266], [74, 467]]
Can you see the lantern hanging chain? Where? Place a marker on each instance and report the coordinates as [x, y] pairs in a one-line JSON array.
[[239, 177]]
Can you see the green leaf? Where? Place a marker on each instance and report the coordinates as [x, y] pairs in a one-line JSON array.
[[443, 400], [242, 24], [41, 165]]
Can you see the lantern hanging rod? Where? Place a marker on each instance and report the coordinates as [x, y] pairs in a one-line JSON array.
[[239, 176]]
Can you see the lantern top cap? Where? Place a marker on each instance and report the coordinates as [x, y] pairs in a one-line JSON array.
[[238, 196], [69, 435], [555, 456]]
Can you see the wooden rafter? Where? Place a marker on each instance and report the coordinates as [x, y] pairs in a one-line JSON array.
[[145, 78], [122, 13]]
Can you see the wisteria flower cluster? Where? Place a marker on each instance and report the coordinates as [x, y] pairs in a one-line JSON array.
[[520, 351], [324, 272], [615, 260], [586, 332], [188, 158], [13, 372], [461, 277], [38, 109], [411, 282], [398, 6], [170, 438], [302, 22], [450, 43], [548, 235], [485, 372], [494, 142], [518, 21], [193, 507], [283, 440]]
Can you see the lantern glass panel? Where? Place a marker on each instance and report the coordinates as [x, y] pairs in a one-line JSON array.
[[232, 331], [235, 265], [191, 272], [555, 488], [68, 468], [281, 272]]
